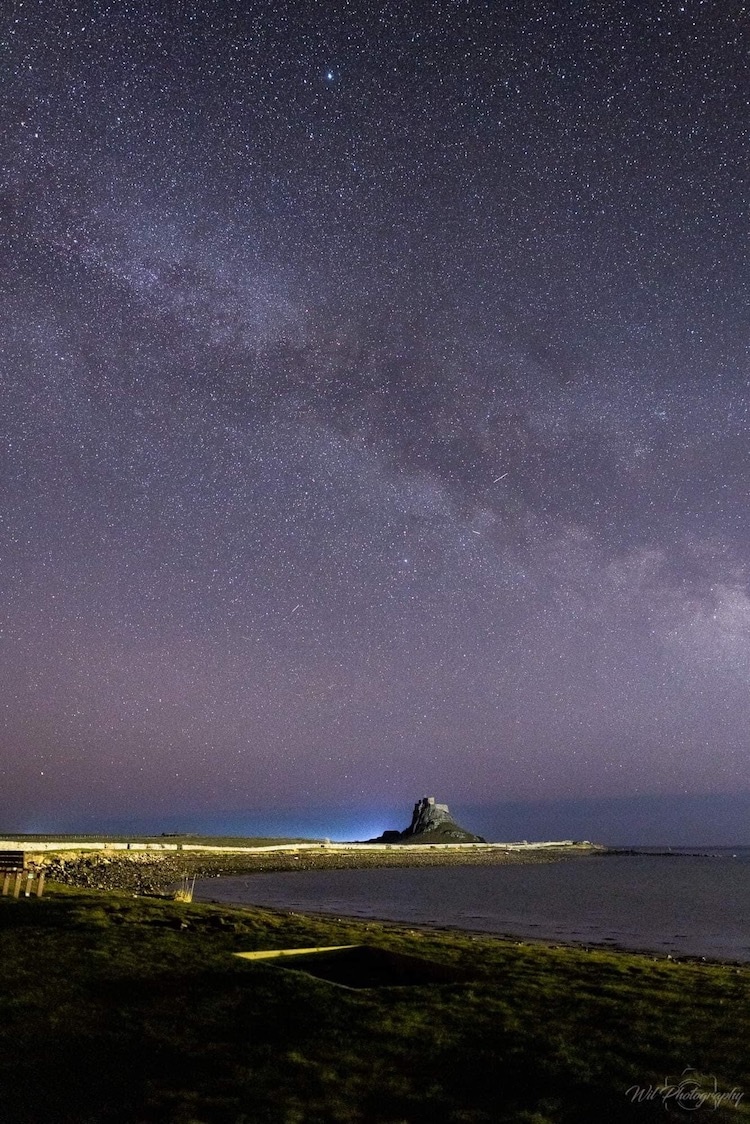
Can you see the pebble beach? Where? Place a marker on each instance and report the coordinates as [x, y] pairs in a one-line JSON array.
[[159, 873]]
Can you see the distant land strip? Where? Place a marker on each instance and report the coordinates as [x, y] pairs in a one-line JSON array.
[[149, 867], [36, 846]]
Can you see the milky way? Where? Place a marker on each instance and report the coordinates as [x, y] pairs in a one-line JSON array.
[[375, 405]]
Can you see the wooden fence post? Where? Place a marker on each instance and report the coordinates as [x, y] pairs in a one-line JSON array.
[[18, 877]]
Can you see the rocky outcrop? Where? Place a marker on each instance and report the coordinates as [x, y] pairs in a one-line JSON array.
[[430, 823], [429, 816]]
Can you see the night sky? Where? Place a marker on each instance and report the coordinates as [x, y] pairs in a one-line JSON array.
[[374, 406]]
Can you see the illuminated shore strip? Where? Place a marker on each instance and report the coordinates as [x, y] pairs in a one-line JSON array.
[[32, 847]]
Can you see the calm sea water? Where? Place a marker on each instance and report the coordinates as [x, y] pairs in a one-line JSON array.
[[682, 904]]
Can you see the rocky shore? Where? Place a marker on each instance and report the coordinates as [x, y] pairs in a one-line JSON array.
[[150, 873]]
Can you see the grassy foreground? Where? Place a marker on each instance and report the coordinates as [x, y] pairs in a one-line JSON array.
[[117, 1009]]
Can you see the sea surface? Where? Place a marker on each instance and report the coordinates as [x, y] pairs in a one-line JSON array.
[[686, 903]]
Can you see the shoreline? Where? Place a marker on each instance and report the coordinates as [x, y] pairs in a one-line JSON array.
[[406, 928], [667, 940]]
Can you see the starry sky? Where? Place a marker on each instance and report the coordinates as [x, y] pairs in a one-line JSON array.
[[374, 406]]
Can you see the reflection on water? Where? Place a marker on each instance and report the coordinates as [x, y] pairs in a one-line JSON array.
[[681, 905]]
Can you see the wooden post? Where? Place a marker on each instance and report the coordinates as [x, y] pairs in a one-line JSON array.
[[6, 883], [17, 884], [40, 884]]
